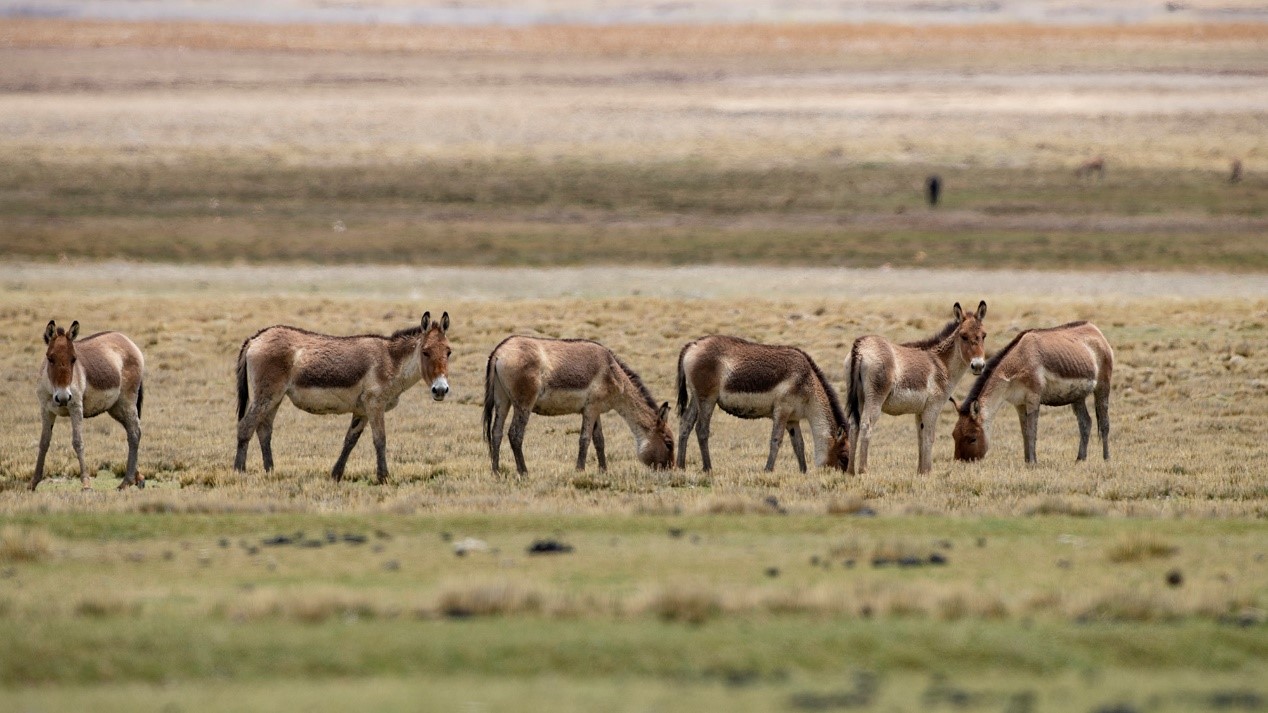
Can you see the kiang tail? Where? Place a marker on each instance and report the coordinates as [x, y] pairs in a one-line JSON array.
[[854, 389]]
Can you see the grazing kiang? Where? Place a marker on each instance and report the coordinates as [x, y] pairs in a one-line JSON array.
[[557, 377], [910, 378], [751, 380], [363, 375], [101, 373], [1040, 367]]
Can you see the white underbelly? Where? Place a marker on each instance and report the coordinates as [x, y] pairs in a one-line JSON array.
[[327, 401], [558, 402], [747, 404], [96, 402], [903, 401], [1058, 391]]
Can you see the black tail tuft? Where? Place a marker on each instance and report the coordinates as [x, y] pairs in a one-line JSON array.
[[140, 397], [243, 395], [487, 417], [854, 388], [682, 382]]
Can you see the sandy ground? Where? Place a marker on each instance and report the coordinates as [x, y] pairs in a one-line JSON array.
[[119, 278]]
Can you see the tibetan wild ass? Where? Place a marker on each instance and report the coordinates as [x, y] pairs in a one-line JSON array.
[[363, 375], [750, 380], [555, 377], [1093, 165], [101, 373], [915, 378], [1049, 367]]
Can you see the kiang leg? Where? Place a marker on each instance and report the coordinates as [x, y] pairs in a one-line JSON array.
[[355, 429], [597, 436], [1085, 427], [46, 438], [702, 434], [798, 444], [1102, 397], [77, 439], [685, 425], [378, 431], [519, 425]]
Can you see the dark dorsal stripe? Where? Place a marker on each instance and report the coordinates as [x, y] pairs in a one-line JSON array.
[[976, 391], [407, 333], [935, 340], [833, 401]]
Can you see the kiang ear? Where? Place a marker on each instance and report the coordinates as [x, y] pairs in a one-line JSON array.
[[426, 320], [49, 331], [74, 330], [975, 410], [444, 322], [663, 412], [954, 405], [981, 310], [958, 312]]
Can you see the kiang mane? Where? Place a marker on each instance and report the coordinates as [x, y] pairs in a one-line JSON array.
[[935, 340], [989, 369], [637, 381], [837, 412]]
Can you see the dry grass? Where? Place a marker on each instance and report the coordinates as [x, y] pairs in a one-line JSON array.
[[22, 544], [762, 40], [1169, 351], [1137, 548]]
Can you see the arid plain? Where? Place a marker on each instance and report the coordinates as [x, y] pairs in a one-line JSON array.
[[190, 183]]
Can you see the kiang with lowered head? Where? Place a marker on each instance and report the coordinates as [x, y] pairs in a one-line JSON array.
[[1040, 367], [751, 380], [911, 378], [555, 377], [363, 375], [101, 373]]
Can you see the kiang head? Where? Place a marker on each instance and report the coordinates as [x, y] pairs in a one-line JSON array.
[[658, 450], [970, 433], [433, 355], [61, 359], [970, 336], [839, 450]]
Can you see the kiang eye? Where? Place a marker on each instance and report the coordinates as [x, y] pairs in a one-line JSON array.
[[448, 352]]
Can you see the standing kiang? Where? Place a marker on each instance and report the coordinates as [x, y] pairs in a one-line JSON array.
[[363, 375], [101, 373], [911, 378], [557, 377], [1057, 366], [751, 380]]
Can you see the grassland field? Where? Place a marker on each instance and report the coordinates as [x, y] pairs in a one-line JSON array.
[[189, 183]]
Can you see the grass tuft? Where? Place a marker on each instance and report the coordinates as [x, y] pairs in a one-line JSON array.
[[1138, 548], [22, 544]]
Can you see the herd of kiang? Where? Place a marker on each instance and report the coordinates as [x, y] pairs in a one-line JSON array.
[[365, 375]]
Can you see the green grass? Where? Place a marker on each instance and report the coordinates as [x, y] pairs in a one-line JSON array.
[[160, 610], [527, 212]]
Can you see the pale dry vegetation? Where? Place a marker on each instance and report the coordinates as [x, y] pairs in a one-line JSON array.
[[1190, 394], [802, 144]]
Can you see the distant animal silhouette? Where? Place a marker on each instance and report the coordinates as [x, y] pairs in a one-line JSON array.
[[1093, 165], [1235, 172], [933, 189]]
